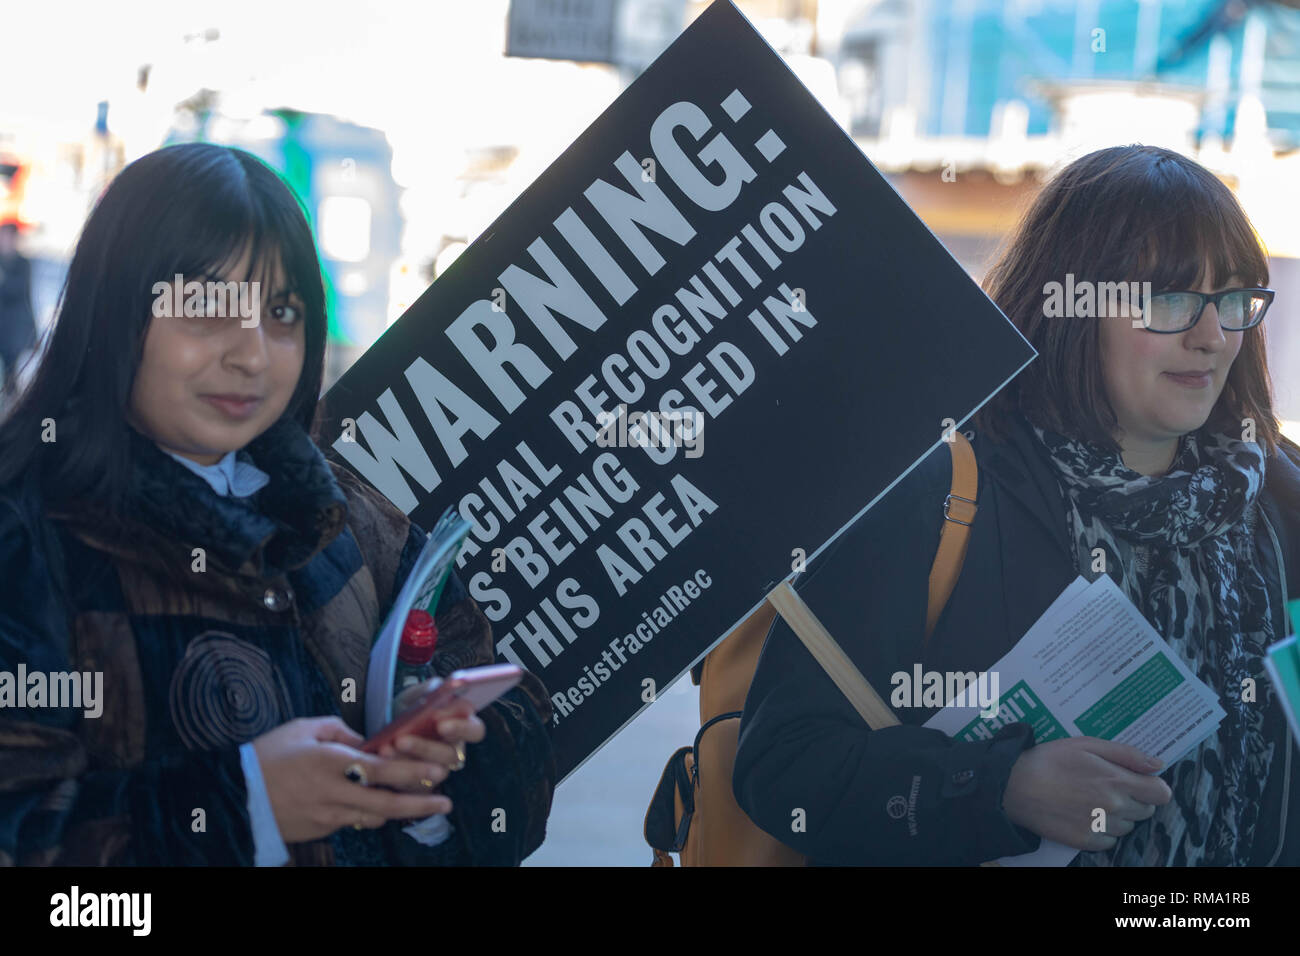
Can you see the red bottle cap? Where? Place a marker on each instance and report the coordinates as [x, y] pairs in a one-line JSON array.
[[419, 638]]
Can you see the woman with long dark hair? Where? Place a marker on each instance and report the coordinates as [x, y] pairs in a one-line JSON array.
[[1141, 443], [169, 527]]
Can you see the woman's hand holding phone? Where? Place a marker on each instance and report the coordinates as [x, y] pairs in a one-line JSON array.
[[455, 725], [435, 720], [304, 764]]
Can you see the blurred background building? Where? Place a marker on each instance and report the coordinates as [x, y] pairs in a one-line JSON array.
[[407, 127]]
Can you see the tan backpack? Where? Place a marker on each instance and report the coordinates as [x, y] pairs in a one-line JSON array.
[[695, 814]]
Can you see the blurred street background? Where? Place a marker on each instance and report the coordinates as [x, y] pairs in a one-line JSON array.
[[408, 127]]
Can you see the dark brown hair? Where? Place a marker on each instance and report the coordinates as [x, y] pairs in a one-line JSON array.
[[190, 208], [1130, 214]]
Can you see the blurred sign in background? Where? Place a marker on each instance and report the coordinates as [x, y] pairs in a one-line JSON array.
[[407, 127]]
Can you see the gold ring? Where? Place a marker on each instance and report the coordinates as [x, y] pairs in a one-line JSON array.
[[357, 774], [359, 824], [427, 783], [460, 758]]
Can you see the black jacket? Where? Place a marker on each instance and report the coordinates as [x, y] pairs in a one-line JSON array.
[[803, 746]]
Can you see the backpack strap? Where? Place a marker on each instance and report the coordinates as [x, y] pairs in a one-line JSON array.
[[958, 514], [943, 578]]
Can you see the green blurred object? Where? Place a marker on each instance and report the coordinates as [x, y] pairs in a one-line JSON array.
[[298, 174], [1282, 661]]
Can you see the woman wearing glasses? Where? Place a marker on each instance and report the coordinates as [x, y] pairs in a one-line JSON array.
[[1141, 443]]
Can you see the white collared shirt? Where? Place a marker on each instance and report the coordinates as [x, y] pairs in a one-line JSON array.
[[228, 477]]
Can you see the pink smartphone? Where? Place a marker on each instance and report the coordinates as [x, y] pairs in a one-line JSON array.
[[478, 685]]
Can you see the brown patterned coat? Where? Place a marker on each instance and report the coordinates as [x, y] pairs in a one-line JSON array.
[[277, 624]]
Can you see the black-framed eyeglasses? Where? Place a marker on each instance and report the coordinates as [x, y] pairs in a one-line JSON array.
[[1238, 309]]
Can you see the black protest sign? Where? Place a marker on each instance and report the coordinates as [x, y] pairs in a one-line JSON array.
[[707, 339]]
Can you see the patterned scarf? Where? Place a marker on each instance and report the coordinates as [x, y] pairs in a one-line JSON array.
[[1180, 546]]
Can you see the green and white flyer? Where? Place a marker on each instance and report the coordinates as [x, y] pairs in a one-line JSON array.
[[1091, 666]]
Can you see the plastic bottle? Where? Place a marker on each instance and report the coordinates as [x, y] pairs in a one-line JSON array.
[[415, 653]]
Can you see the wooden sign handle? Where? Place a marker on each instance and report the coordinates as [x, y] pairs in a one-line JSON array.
[[834, 661], [831, 657]]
